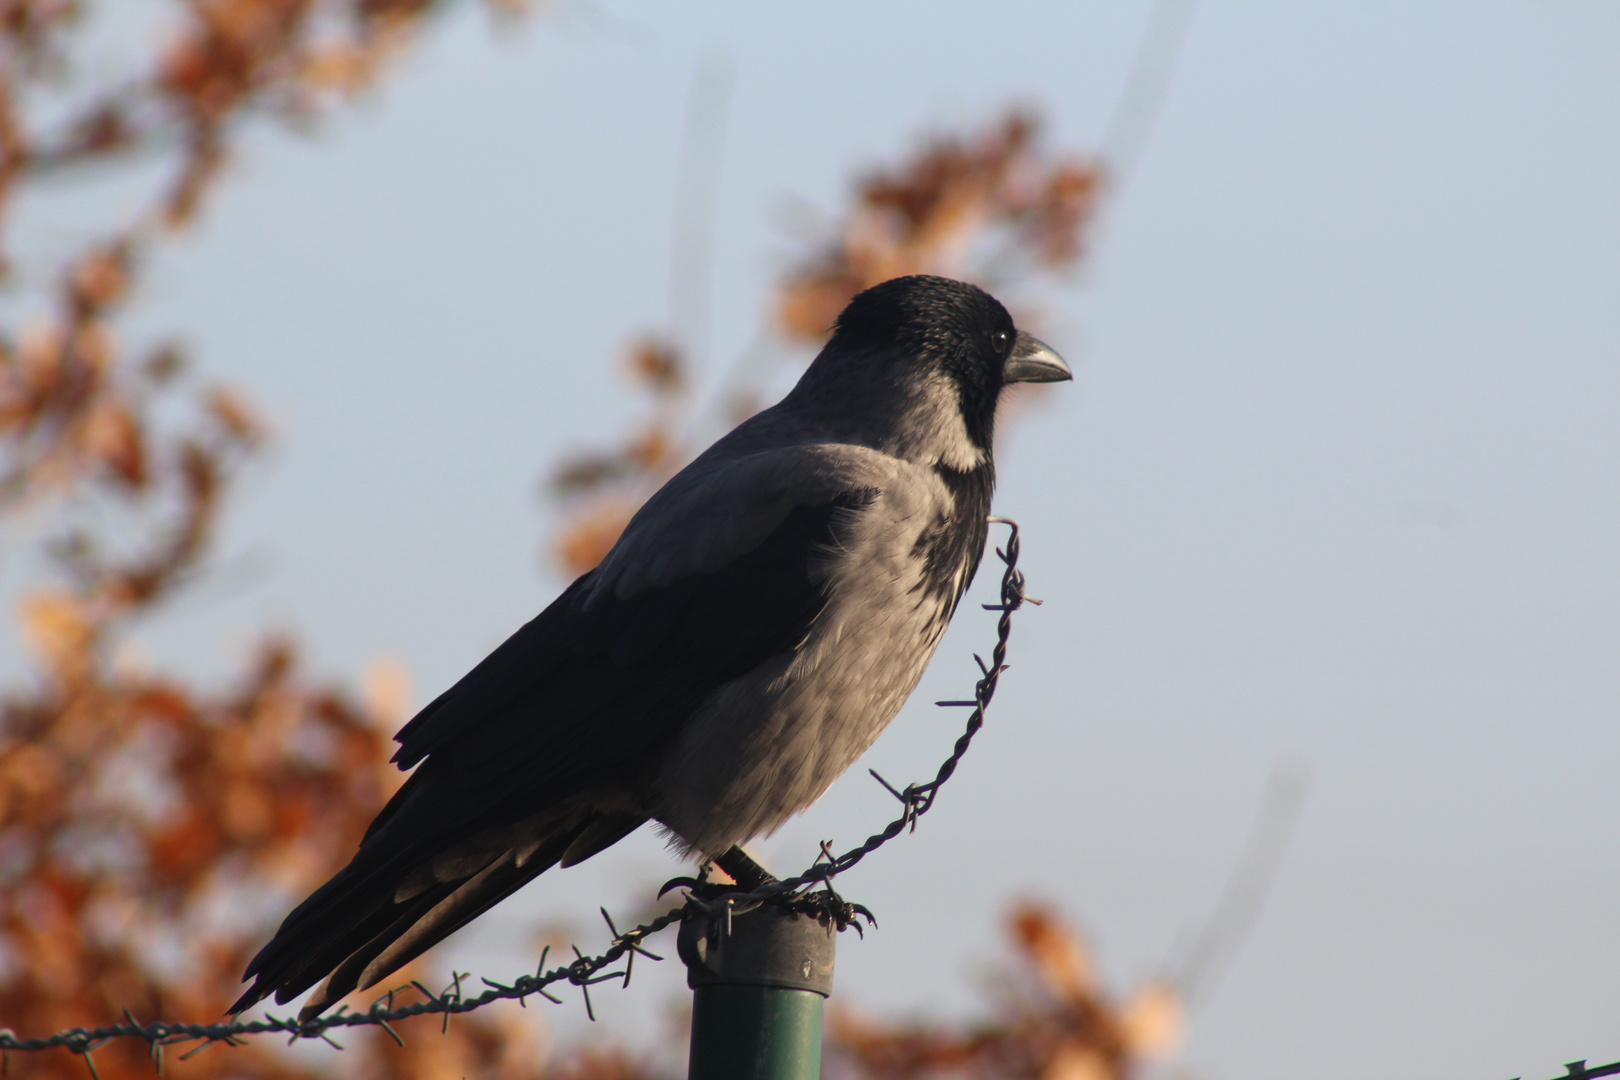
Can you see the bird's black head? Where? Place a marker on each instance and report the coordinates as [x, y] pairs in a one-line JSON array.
[[935, 354]]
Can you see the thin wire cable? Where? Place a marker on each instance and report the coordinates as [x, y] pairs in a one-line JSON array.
[[1142, 98], [1251, 880]]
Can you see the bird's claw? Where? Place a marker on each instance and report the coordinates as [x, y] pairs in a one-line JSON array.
[[678, 883], [842, 913]]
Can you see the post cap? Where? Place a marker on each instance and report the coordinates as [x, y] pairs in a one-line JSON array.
[[768, 946]]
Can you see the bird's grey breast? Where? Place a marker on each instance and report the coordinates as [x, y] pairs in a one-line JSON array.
[[767, 745]]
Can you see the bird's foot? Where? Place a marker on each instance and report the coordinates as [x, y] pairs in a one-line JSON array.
[[840, 912]]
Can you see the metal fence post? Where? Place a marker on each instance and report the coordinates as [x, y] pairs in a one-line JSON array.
[[759, 980]]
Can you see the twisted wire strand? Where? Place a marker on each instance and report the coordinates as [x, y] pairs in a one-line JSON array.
[[583, 971]]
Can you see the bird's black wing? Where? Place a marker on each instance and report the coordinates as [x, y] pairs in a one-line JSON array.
[[584, 688]]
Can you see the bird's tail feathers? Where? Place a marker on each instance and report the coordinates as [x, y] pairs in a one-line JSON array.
[[429, 918], [370, 920]]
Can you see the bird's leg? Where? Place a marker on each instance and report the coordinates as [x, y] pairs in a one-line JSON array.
[[743, 870]]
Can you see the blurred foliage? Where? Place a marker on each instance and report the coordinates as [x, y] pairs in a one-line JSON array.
[[991, 208], [1052, 1022], [151, 832], [997, 208]]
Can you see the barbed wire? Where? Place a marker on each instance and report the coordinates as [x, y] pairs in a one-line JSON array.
[[1577, 1070], [585, 971]]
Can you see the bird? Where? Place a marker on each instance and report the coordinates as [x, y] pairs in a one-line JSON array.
[[756, 626]]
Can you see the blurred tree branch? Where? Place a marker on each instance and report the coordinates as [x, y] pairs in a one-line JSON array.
[[995, 207], [1052, 1022], [151, 832]]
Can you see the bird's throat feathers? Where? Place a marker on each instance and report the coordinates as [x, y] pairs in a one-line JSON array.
[[919, 413], [952, 546]]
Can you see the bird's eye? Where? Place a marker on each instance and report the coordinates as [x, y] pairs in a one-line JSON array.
[[1002, 337]]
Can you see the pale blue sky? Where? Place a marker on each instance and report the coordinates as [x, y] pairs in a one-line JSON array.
[[1336, 481]]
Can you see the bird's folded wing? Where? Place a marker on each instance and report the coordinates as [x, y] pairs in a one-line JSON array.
[[715, 576], [581, 691]]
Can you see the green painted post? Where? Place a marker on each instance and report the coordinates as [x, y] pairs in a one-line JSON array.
[[758, 980]]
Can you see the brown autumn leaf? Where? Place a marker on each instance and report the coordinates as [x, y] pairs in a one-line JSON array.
[[592, 533], [1057, 953], [113, 435], [239, 419], [1075, 1060], [1154, 1021], [658, 363], [101, 277], [57, 627]]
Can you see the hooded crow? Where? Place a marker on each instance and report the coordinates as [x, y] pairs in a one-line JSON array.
[[758, 624]]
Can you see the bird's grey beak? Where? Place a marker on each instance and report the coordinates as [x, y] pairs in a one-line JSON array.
[[1033, 360]]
